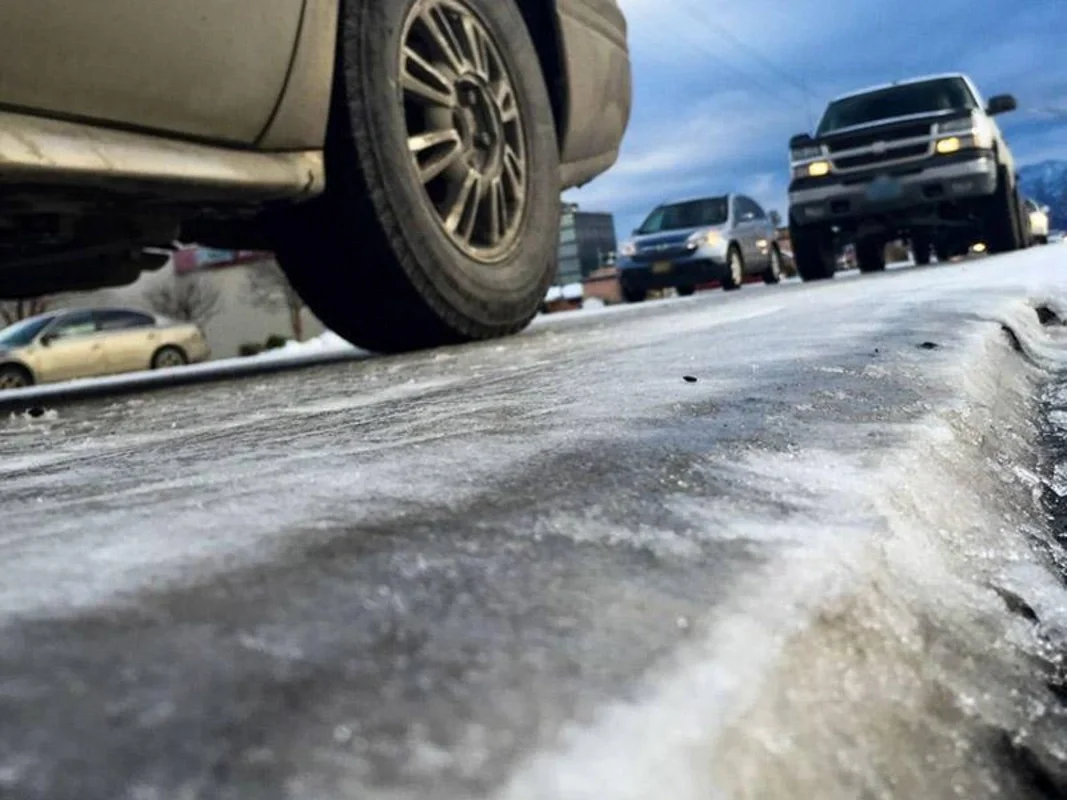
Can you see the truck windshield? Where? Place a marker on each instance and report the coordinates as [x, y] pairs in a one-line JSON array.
[[23, 333], [923, 97], [690, 214]]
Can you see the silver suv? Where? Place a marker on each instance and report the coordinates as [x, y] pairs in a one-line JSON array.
[[710, 239], [921, 160]]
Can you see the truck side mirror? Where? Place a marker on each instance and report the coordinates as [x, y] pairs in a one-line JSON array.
[[800, 141], [1001, 104]]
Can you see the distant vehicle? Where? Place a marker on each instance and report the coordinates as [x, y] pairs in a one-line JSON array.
[[1057, 237], [403, 159], [87, 343], [1038, 221], [921, 161], [681, 245]]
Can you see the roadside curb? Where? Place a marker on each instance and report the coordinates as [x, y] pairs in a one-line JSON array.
[[21, 400]]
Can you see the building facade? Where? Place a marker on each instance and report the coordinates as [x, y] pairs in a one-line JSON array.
[[586, 242]]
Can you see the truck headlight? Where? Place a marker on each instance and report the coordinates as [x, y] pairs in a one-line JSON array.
[[818, 169], [964, 125], [806, 153], [627, 249], [950, 145]]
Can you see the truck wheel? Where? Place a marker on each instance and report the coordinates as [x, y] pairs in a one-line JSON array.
[[686, 291], [813, 252], [1003, 230], [870, 253], [634, 295], [440, 220], [734, 278], [920, 247]]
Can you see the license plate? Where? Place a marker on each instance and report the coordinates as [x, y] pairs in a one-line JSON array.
[[661, 266], [883, 189]]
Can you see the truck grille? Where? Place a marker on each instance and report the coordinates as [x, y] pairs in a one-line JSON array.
[[890, 154], [888, 134]]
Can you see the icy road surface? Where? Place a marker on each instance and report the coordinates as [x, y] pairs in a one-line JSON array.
[[552, 568]]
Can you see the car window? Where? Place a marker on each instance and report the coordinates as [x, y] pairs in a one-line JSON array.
[[923, 97], [1031, 206], [746, 205], [69, 326], [688, 214], [20, 334], [119, 320]]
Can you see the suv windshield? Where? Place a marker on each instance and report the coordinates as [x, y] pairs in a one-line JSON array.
[[23, 333], [690, 214], [925, 97]]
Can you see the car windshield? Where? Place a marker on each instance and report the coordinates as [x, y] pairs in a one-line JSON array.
[[925, 97], [690, 214], [23, 333]]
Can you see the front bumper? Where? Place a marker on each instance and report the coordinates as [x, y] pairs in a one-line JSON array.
[[903, 188], [672, 273]]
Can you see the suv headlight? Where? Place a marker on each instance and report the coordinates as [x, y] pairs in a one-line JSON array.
[[701, 238], [627, 249]]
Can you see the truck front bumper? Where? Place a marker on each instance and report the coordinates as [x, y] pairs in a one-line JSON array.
[[892, 191]]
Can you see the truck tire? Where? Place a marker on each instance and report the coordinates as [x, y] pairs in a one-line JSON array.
[[920, 247], [440, 220], [813, 252], [1003, 228], [870, 253], [633, 295]]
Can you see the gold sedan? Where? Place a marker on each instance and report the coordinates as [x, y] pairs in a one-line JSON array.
[[87, 343]]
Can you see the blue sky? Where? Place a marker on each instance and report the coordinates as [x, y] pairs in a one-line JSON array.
[[718, 86]]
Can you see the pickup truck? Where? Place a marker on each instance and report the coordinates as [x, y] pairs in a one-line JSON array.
[[920, 160]]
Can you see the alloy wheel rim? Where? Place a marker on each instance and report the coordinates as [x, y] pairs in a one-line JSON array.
[[169, 359], [776, 263], [464, 127], [11, 380], [735, 268]]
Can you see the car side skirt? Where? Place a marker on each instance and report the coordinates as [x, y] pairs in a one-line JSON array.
[[39, 152]]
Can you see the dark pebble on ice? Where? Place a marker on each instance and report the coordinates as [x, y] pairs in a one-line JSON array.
[[929, 345], [36, 411], [689, 379]]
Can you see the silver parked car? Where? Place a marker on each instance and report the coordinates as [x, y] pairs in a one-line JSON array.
[[709, 239]]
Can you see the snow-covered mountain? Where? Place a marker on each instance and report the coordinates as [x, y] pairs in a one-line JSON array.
[[1046, 183]]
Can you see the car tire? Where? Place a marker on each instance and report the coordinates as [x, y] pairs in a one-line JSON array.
[[1003, 227], [870, 253], [921, 247], [773, 273], [734, 278], [632, 295], [15, 376], [686, 291], [813, 252], [400, 252], [168, 357]]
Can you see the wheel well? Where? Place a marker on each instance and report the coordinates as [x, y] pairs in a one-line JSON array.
[[541, 22]]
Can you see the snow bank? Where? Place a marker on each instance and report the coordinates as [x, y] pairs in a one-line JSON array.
[[877, 657]]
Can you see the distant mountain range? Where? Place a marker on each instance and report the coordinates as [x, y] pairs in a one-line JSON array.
[[1046, 184]]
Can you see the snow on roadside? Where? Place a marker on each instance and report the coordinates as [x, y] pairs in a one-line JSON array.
[[876, 656]]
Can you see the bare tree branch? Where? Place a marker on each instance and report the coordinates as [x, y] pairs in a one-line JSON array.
[[186, 298], [270, 290], [12, 311]]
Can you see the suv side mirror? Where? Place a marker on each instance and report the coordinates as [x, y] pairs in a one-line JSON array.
[[775, 218], [1001, 104], [800, 141], [48, 338]]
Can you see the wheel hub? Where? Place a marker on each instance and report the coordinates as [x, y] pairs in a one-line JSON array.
[[465, 131]]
